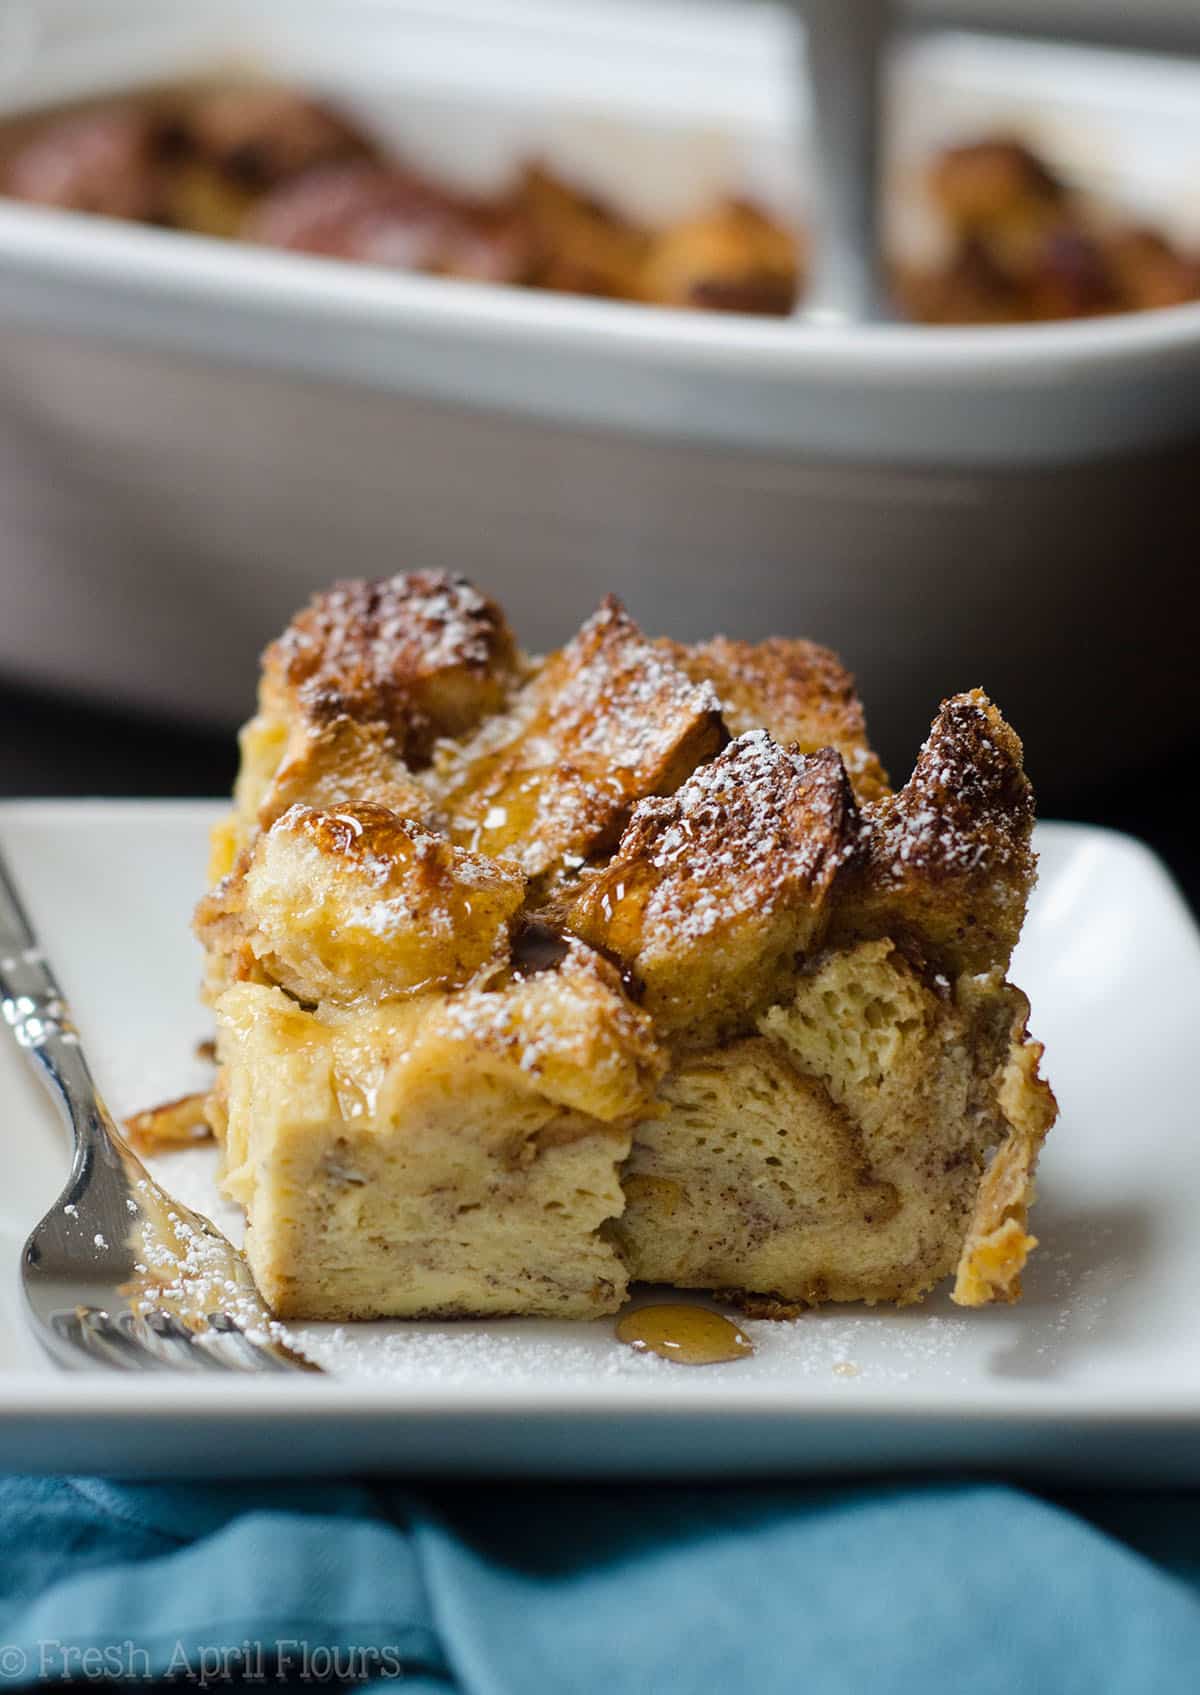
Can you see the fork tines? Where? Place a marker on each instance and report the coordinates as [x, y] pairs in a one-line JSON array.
[[157, 1340]]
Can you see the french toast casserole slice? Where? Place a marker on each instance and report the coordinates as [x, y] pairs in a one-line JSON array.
[[533, 979]]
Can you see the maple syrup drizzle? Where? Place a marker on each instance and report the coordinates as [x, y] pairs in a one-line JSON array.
[[687, 1335]]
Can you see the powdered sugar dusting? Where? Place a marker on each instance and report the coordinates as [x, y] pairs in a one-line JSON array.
[[474, 1355], [799, 691], [757, 825], [367, 649], [919, 836], [572, 1016], [182, 1267], [434, 619], [610, 718], [617, 697], [968, 806]]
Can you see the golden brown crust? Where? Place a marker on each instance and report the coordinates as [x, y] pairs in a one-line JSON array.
[[1024, 248], [716, 892], [609, 719], [425, 655], [579, 244], [731, 259], [799, 691], [358, 904], [342, 763], [948, 858], [220, 923], [1150, 271], [982, 182], [570, 1031]]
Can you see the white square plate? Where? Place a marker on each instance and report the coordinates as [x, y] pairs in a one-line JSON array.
[[1096, 1374]]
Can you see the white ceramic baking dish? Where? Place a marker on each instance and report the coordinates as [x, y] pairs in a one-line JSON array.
[[194, 435]]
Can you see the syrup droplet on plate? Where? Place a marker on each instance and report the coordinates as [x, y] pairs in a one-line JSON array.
[[688, 1335]]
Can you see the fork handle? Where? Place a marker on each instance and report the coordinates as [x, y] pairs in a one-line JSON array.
[[30, 998], [33, 1006]]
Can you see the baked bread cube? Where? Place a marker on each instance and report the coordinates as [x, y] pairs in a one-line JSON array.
[[360, 905], [714, 893], [339, 763], [355, 693], [606, 721], [425, 654], [733, 258], [800, 692], [948, 860], [533, 980]]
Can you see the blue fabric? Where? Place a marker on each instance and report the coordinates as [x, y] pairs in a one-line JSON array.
[[964, 1587]]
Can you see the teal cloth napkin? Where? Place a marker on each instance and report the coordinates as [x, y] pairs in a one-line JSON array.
[[963, 1587]]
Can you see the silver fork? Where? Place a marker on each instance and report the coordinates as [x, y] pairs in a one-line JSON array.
[[118, 1274]]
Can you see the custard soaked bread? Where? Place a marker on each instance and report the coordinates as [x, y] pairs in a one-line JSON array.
[[535, 979]]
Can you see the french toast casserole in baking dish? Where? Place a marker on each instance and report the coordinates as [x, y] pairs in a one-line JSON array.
[[273, 166], [533, 979]]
